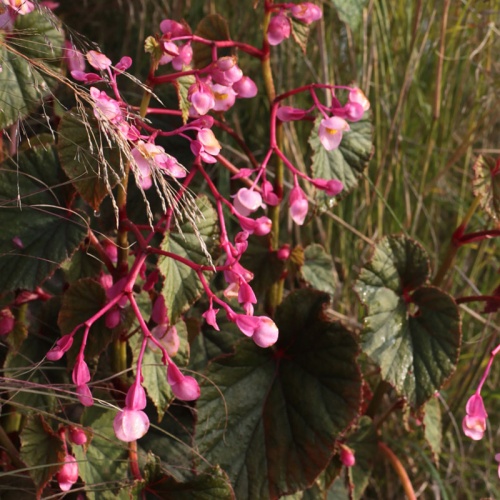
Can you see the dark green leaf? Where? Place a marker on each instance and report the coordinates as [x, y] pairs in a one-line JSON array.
[[350, 11], [83, 264], [346, 163], [318, 270], [211, 27], [30, 58], [80, 302], [282, 408], [486, 185], [103, 466], [41, 449], [433, 429], [86, 157], [417, 351], [183, 286], [33, 211]]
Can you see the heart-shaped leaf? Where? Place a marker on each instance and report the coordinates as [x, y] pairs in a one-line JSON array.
[[211, 27], [411, 331], [30, 57], [183, 286], [346, 163], [86, 157], [281, 410], [318, 270]]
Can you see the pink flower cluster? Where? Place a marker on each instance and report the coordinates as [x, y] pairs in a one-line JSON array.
[[67, 475], [20, 7]]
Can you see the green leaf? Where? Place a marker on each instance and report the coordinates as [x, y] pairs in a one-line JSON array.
[[103, 465], [211, 27], [183, 286], [42, 450], [209, 485], [81, 301], [300, 33], [155, 372], [433, 429], [34, 211], [413, 337], [486, 185], [346, 163], [270, 417], [83, 264], [87, 158], [350, 11], [318, 270], [30, 58], [32, 390], [182, 85]]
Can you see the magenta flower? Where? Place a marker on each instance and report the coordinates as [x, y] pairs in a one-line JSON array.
[[184, 57], [98, 60], [123, 64], [68, 473], [20, 7], [105, 107], [81, 374], [279, 28], [81, 76], [210, 317], [306, 12], [283, 252], [330, 131], [74, 58], [201, 97], [247, 201], [245, 88], [7, 321], [226, 71], [77, 436], [136, 396], [62, 346], [268, 195], [259, 227], [173, 29], [474, 423], [347, 456], [298, 205], [332, 187], [184, 387], [289, 114], [130, 425], [84, 395]]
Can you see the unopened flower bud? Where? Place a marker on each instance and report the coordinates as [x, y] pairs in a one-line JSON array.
[[68, 473]]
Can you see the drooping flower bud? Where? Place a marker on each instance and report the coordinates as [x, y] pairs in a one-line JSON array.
[[130, 425], [7, 321], [68, 473], [136, 396], [266, 333], [347, 456], [306, 12], [62, 346], [77, 435], [474, 422], [332, 187], [298, 205], [210, 317], [184, 387], [247, 201], [245, 88], [279, 28]]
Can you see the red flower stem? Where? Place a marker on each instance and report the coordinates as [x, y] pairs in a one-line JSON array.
[[102, 253], [133, 460], [478, 236], [487, 369], [399, 469], [477, 298], [214, 297]]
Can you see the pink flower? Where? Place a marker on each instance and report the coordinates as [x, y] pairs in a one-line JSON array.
[[259, 227], [7, 321], [306, 12], [184, 387], [210, 317], [224, 97], [266, 333], [279, 28], [330, 131], [206, 146], [113, 318], [68, 473], [356, 95], [474, 423], [81, 76], [184, 57], [173, 29], [288, 114], [159, 313], [123, 64], [136, 396], [21, 7], [84, 395], [283, 253], [332, 187], [245, 88], [298, 205], [247, 201], [167, 336], [77, 436], [105, 107], [269, 196], [226, 71], [74, 58], [98, 60], [347, 456], [81, 374], [130, 425], [201, 97], [62, 345]]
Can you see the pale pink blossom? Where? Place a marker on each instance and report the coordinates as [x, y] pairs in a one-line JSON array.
[[224, 97], [74, 58], [105, 107], [210, 317], [206, 146], [84, 395], [266, 333], [98, 60], [247, 201], [226, 71], [68, 473], [167, 336], [306, 12], [130, 425], [201, 97], [288, 114], [279, 28], [246, 294], [170, 51], [474, 422], [184, 387], [330, 131], [356, 95], [331, 187], [245, 87], [184, 57], [298, 205], [268, 194], [173, 29], [21, 7]]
